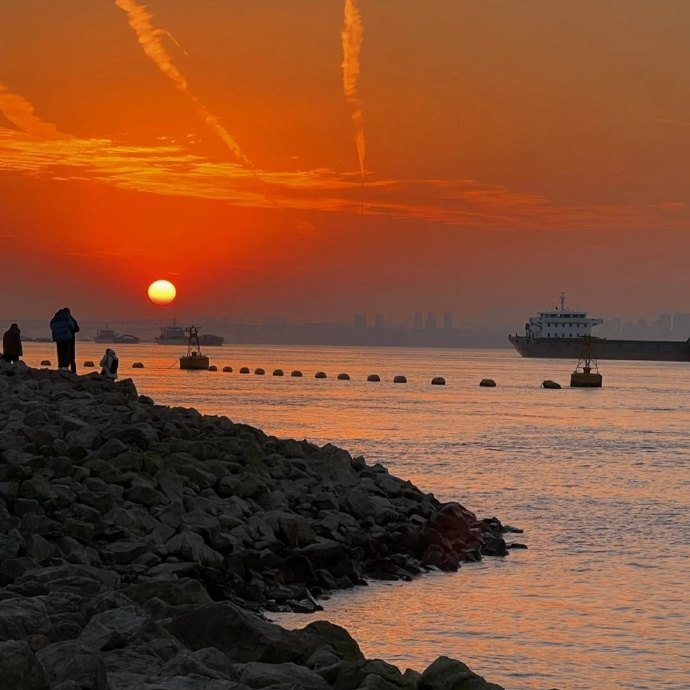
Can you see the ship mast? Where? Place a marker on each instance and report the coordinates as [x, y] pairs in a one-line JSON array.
[[562, 301]]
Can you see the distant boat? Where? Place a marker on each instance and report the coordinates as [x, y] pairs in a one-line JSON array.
[[177, 335], [172, 335], [108, 335], [193, 359], [211, 339]]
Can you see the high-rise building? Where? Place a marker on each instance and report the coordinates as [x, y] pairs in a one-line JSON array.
[[418, 321], [662, 326], [681, 326], [447, 322], [430, 323], [360, 321]]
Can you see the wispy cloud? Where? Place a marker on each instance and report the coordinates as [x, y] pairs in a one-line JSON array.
[[170, 169], [352, 35], [672, 121], [151, 40], [22, 114]]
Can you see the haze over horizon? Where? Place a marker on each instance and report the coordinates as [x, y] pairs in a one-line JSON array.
[[317, 160]]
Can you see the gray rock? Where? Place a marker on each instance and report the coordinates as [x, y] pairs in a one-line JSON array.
[[112, 448], [19, 668], [175, 592], [260, 675], [145, 494], [8, 490], [191, 547], [38, 488], [130, 682], [10, 544], [21, 617], [240, 634], [215, 659], [113, 628], [449, 674], [71, 661], [290, 528], [320, 635], [123, 552], [186, 663], [171, 484]]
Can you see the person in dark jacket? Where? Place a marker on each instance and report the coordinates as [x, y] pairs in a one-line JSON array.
[[64, 328], [12, 344]]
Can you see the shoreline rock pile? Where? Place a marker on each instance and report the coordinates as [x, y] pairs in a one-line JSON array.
[[140, 545]]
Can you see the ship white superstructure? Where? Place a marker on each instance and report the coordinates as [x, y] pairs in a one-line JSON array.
[[560, 323]]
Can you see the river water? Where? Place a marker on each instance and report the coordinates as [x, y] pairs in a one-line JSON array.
[[599, 479]]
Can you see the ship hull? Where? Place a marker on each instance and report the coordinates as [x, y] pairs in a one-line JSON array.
[[171, 341], [603, 348], [210, 340]]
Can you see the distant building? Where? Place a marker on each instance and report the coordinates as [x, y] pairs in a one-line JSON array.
[[681, 326], [360, 321], [611, 328], [430, 322], [418, 321], [447, 322], [378, 321], [662, 327]]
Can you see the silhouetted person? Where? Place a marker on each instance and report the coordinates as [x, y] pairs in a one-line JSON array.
[[64, 328], [109, 363], [12, 344]]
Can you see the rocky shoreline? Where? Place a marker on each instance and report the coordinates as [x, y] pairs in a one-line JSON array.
[[140, 546]]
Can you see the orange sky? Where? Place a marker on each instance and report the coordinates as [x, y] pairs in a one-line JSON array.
[[316, 159]]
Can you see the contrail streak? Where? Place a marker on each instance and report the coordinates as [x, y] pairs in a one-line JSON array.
[[21, 113], [352, 42], [151, 40]]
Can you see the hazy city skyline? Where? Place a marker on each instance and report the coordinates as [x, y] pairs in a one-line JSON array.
[[427, 329]]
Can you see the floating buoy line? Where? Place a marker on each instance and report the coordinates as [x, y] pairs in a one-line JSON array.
[[593, 378], [259, 371]]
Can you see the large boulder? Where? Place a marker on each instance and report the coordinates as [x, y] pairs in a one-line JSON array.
[[19, 667], [21, 617], [242, 635], [257, 674], [450, 674], [71, 661]]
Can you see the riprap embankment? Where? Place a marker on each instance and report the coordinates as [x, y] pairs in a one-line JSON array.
[[140, 545]]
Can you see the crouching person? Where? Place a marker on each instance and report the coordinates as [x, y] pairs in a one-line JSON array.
[[109, 363], [12, 344]]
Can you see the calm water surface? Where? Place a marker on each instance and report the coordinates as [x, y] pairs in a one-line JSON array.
[[598, 479]]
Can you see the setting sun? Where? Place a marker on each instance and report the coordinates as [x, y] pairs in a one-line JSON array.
[[162, 292]]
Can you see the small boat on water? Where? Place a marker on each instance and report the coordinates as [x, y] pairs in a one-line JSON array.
[[108, 335], [586, 374], [194, 359]]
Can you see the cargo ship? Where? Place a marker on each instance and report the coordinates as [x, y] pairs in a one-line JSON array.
[[561, 333]]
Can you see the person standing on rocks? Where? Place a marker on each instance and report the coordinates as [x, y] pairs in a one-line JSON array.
[[64, 328], [12, 344]]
